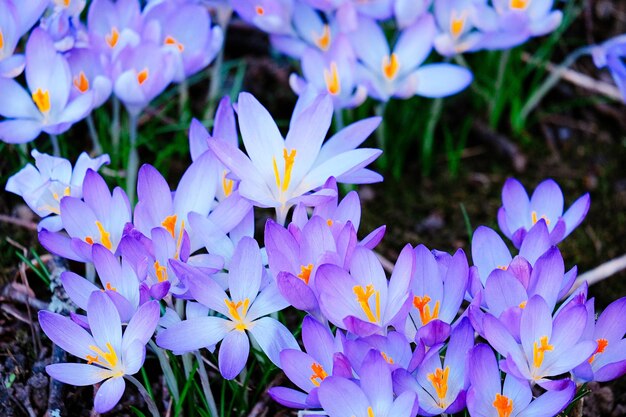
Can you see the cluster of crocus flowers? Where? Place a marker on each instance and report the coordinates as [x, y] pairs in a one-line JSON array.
[[403, 344]]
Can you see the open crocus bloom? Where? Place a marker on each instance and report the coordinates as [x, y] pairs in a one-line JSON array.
[[109, 354], [456, 20], [271, 16]]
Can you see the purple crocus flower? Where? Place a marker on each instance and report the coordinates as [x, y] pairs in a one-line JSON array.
[[101, 218], [548, 347], [441, 387], [399, 72], [407, 12], [608, 362], [309, 369], [88, 69], [44, 185], [47, 107], [348, 11], [363, 301], [271, 16], [114, 25], [519, 213], [243, 310], [109, 354], [438, 286], [394, 348], [487, 397], [457, 23], [610, 54], [63, 24], [341, 397], [281, 172]]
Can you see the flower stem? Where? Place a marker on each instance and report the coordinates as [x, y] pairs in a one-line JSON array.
[[494, 107], [115, 127], [216, 70], [170, 379], [133, 159], [339, 122], [429, 135], [381, 134], [93, 133], [206, 386], [146, 397], [56, 149]]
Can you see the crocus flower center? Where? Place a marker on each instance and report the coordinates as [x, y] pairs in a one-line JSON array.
[[504, 405], [522, 305], [237, 316], [1, 40], [535, 219], [227, 184], [329, 222], [323, 41], [539, 350], [331, 77], [602, 344], [503, 267], [289, 158], [81, 82], [170, 224], [439, 379], [389, 359], [109, 287], [105, 237], [259, 10], [112, 38], [66, 192], [391, 65], [370, 412], [519, 4], [142, 76], [363, 296], [421, 304], [170, 40], [305, 273], [457, 22], [108, 359], [160, 271], [319, 374], [42, 100]]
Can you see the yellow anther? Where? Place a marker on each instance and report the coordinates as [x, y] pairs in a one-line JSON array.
[[602, 344], [439, 379], [322, 41], [390, 66], [389, 359], [540, 349], [370, 412], [289, 158], [421, 304], [329, 222], [142, 76], [179, 241], [522, 305], [319, 374], [105, 237], [170, 40], [331, 77], [109, 287], [227, 184], [237, 316], [457, 22], [362, 296], [81, 83], [109, 358], [160, 271], [1, 40], [170, 224], [259, 10], [504, 405], [535, 219], [42, 100], [305, 273], [519, 4], [113, 37], [503, 267]]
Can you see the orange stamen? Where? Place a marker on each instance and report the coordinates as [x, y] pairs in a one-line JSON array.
[[170, 224], [305, 273], [169, 40], [362, 296], [227, 184], [238, 317], [602, 344], [439, 379], [161, 271], [519, 4], [319, 374], [259, 10], [504, 405], [421, 304], [81, 82], [323, 41], [142, 76], [535, 219], [112, 38], [391, 65], [289, 158], [333, 83], [457, 22], [42, 100], [540, 349], [389, 359]]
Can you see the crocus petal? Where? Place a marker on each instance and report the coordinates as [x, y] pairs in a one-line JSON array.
[[142, 325], [109, 394], [78, 288], [244, 278], [342, 397], [193, 334], [233, 354], [273, 337], [19, 130], [576, 213], [79, 374], [66, 334], [441, 80], [288, 397], [551, 402], [104, 320]]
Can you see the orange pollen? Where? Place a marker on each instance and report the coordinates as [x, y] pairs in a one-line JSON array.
[[105, 237], [170, 224], [535, 219], [602, 344], [81, 82], [329, 222], [169, 40], [362, 296], [109, 358], [289, 158], [421, 303], [331, 77], [237, 317], [112, 38], [179, 241], [522, 305], [540, 349], [142, 76], [323, 41], [305, 273], [42, 100], [457, 22], [1, 40], [389, 359], [439, 379], [319, 374], [66, 3], [370, 412], [259, 10], [161, 271], [503, 267], [519, 4], [390, 65], [110, 287], [227, 184], [504, 405]]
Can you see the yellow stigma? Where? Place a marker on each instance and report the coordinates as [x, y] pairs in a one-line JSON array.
[[109, 287], [319, 374], [112, 38], [331, 77], [421, 304], [390, 66], [535, 219], [42, 100], [439, 379], [522, 305], [1, 40], [322, 41], [370, 412], [305, 273], [504, 405], [161, 271], [259, 10], [105, 237], [170, 224], [362, 296], [540, 349], [81, 82], [519, 4], [457, 22], [227, 184], [170, 40], [108, 359], [329, 222], [389, 359], [142, 76], [289, 158], [602, 344], [179, 240], [238, 317]]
